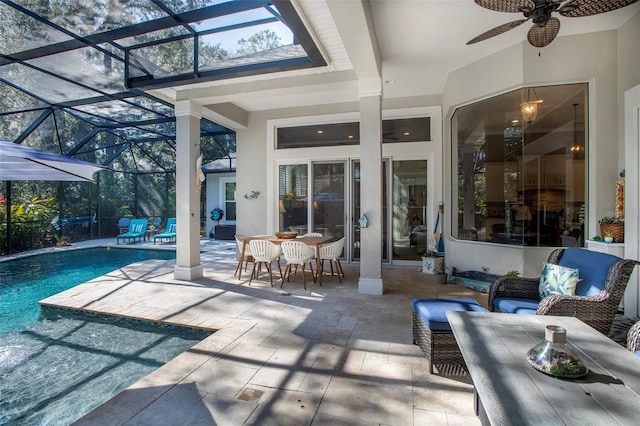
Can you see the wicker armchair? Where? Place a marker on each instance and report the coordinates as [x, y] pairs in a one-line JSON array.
[[597, 310], [633, 338]]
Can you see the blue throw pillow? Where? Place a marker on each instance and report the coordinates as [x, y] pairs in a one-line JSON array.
[[172, 228], [556, 279]]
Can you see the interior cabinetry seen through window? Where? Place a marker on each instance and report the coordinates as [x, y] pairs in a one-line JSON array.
[[522, 182]]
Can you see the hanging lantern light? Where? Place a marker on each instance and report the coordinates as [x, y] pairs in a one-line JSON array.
[[576, 148], [529, 107]]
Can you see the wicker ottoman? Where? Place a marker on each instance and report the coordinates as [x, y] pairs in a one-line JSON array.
[[431, 330]]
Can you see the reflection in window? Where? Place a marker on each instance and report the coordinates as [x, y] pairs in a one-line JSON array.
[[520, 182], [337, 134], [410, 232], [230, 200], [292, 200]]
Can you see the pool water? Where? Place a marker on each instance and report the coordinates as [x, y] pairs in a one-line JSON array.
[[59, 369], [25, 281], [56, 366]]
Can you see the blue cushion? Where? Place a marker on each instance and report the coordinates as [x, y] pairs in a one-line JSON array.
[[516, 306], [434, 311], [593, 267]]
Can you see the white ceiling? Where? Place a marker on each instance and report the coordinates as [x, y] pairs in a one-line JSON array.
[[419, 41], [424, 40]]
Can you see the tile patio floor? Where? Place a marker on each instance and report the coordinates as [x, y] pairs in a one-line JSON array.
[[326, 356]]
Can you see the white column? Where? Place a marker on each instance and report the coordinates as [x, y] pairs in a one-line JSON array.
[[632, 197], [371, 187], [188, 267]]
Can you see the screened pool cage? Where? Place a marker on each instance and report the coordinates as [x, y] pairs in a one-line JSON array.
[[85, 79]]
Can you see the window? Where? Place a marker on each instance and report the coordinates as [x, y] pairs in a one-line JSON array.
[[393, 131], [522, 182], [293, 201], [230, 200]]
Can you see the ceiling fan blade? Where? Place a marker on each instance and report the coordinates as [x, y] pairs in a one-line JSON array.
[[578, 8], [497, 30], [542, 35], [510, 6]]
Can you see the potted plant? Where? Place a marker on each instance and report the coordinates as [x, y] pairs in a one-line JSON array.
[[612, 226], [61, 240], [441, 271]]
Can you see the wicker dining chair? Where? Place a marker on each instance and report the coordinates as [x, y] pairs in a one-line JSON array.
[[299, 254], [264, 252], [604, 278]]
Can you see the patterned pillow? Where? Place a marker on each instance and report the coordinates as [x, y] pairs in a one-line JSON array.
[[172, 228], [138, 228], [556, 279]]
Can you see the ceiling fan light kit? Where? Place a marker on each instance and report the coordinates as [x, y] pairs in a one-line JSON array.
[[545, 27]]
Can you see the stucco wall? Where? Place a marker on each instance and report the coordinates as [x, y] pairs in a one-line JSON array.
[[588, 58], [251, 164], [628, 71]]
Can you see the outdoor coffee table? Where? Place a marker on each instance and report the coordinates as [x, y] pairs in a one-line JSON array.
[[509, 391]]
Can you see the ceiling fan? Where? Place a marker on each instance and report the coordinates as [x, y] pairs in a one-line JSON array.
[[545, 27]]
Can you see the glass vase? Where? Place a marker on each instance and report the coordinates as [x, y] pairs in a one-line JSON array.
[[552, 356]]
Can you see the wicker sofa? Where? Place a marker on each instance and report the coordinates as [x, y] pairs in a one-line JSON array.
[[603, 279]]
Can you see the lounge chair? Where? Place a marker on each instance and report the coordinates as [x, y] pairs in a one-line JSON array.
[[169, 233], [137, 230], [599, 284], [123, 225]]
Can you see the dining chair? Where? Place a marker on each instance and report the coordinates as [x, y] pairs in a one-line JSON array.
[[313, 234], [248, 256], [264, 251], [297, 253], [332, 252]]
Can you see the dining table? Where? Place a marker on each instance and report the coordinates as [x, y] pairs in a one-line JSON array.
[[314, 242]]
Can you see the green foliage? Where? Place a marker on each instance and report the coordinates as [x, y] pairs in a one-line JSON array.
[[611, 220], [513, 273], [259, 42]]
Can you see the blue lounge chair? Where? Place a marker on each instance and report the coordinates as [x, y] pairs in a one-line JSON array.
[[137, 230], [169, 233]]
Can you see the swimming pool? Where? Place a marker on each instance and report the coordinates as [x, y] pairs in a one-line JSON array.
[[25, 281], [57, 366]]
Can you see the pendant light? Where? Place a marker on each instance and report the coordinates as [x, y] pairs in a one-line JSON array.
[[529, 106]]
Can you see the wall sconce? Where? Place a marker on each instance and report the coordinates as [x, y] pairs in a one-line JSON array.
[[529, 106], [282, 209], [251, 195]]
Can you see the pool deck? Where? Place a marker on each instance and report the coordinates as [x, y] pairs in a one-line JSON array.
[[280, 356]]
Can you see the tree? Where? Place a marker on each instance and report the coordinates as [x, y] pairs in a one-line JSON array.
[[259, 42]]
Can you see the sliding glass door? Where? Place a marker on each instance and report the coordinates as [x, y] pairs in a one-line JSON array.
[[410, 232], [328, 199]]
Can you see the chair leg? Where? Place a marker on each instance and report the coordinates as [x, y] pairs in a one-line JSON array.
[[341, 270], [286, 269], [304, 278], [270, 274], [311, 267], [253, 272]]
